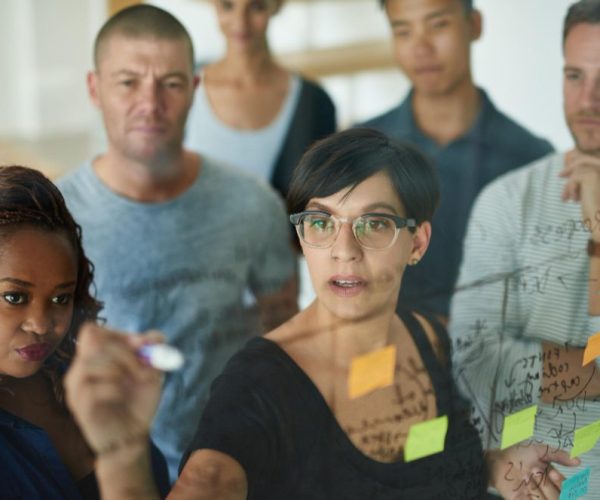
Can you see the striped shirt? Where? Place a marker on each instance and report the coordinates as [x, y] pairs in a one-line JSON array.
[[523, 280]]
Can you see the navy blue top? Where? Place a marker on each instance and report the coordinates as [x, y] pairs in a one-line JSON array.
[[30, 467], [495, 144]]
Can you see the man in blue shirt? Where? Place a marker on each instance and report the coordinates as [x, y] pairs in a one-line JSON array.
[[455, 124]]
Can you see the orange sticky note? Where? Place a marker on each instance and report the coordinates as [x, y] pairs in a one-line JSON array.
[[372, 371], [592, 350]]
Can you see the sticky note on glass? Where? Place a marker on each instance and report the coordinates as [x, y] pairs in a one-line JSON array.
[[592, 350], [426, 438], [518, 427], [585, 438], [372, 371], [575, 486]]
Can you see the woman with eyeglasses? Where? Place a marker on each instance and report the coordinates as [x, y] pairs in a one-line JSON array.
[[293, 415]]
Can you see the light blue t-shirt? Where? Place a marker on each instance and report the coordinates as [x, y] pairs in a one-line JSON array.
[[182, 267]]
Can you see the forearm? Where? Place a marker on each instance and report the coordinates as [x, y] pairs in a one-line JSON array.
[[277, 308], [594, 281], [126, 473]]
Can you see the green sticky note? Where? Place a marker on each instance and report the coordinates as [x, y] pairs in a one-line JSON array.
[[585, 438], [518, 427], [426, 438]]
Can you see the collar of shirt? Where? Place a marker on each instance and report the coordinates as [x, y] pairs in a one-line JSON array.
[[475, 134]]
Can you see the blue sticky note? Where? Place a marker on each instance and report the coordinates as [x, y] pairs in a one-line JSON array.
[[575, 486]]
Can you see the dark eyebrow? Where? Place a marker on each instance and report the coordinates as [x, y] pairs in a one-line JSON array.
[[380, 205], [369, 208], [127, 72], [27, 284], [428, 17], [124, 72]]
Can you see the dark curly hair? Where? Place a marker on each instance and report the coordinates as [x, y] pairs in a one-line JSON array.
[[29, 199]]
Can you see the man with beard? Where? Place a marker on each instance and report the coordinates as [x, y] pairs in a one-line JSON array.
[[528, 297]]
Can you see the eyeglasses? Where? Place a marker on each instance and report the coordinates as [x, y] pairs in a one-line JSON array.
[[372, 231]]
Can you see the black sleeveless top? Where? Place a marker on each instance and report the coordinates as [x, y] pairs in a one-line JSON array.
[[265, 412]]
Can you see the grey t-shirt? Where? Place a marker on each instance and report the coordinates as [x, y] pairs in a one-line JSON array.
[[183, 267]]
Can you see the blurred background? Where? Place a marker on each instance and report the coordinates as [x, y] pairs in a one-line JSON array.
[[47, 122]]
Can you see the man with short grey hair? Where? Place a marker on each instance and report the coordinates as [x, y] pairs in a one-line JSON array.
[[176, 239]]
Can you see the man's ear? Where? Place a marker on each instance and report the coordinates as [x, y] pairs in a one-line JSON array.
[[92, 86], [476, 21], [421, 238]]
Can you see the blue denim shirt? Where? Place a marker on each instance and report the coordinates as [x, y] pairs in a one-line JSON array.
[[494, 145], [31, 469]]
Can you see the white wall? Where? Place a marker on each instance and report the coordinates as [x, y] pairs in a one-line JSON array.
[[518, 59], [45, 50], [519, 62]]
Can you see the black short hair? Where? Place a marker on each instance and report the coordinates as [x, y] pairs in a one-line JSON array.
[[467, 5], [584, 11], [139, 21], [348, 158]]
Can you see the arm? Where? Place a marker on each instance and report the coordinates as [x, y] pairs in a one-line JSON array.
[[276, 308], [582, 174], [525, 471], [273, 273], [210, 475], [113, 397]]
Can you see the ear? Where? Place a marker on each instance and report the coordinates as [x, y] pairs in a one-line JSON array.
[[92, 86], [421, 238], [196, 81], [476, 22]]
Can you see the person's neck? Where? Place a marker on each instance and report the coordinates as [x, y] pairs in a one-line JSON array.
[[160, 180], [22, 396], [248, 67], [444, 118], [350, 339]]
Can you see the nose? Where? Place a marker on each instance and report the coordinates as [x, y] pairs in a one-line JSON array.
[[345, 247], [151, 97], [38, 320], [591, 94], [240, 19], [421, 44]]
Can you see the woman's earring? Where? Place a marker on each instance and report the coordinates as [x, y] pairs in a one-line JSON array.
[[413, 262]]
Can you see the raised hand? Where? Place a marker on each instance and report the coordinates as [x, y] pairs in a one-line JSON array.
[[582, 172], [525, 471], [110, 391]]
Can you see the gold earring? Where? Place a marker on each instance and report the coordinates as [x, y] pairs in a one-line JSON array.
[[413, 262]]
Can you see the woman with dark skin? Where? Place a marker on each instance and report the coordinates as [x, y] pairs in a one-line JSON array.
[[280, 421], [45, 280]]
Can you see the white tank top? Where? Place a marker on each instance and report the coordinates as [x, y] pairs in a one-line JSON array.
[[254, 150]]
